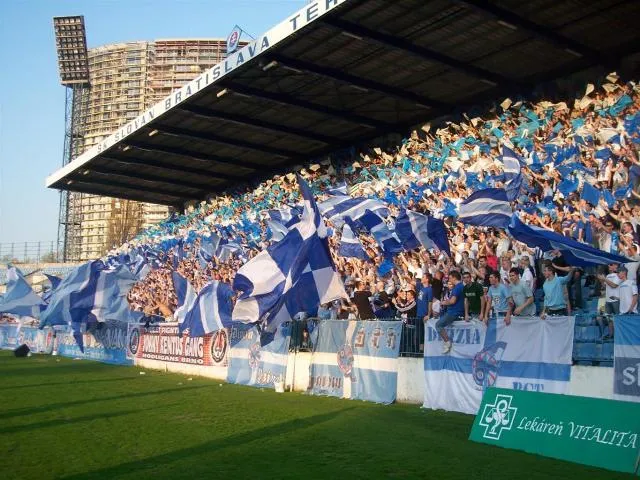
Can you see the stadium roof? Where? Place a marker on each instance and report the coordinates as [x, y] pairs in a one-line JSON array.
[[339, 72]]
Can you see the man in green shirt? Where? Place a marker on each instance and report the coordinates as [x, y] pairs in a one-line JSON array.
[[473, 296]]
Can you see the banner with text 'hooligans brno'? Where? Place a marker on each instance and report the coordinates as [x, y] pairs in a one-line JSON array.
[[106, 342], [255, 365], [626, 364], [529, 354], [163, 342], [357, 360]]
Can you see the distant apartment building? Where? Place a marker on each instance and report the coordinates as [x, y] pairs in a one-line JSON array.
[[126, 79]]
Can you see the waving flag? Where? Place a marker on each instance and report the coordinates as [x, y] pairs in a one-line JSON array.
[[292, 276], [513, 187], [55, 281], [415, 229], [511, 162], [350, 246], [384, 236], [575, 253], [286, 216], [340, 189], [72, 301], [211, 310], [489, 207], [278, 231], [110, 299], [338, 208], [186, 296], [20, 299], [590, 194]]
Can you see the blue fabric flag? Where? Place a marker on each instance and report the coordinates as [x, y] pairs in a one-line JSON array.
[[575, 253], [211, 310], [489, 207], [415, 229], [185, 294], [350, 246], [590, 194], [19, 298]]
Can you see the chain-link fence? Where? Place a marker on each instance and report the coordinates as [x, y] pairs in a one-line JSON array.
[[29, 252]]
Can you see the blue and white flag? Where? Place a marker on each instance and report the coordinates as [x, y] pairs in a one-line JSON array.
[[72, 301], [489, 207], [20, 299], [286, 216], [211, 310], [295, 275], [209, 246], [278, 231], [253, 364], [626, 364], [55, 281], [511, 162], [386, 238], [575, 253], [227, 250], [186, 296], [356, 360], [336, 209], [590, 194], [415, 229], [513, 187], [350, 246], [340, 189], [110, 299], [529, 354]]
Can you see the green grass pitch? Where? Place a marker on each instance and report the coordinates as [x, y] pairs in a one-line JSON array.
[[61, 418]]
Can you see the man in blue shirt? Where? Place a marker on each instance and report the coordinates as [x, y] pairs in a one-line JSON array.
[[455, 309], [555, 296], [499, 299], [425, 297]]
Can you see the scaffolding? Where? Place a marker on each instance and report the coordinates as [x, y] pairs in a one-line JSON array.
[[73, 66]]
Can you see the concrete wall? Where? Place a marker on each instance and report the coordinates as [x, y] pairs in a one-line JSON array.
[[585, 381]]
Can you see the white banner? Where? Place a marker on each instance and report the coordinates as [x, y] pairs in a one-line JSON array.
[[530, 354]]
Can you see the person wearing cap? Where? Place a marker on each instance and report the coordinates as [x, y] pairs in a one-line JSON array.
[[628, 293]]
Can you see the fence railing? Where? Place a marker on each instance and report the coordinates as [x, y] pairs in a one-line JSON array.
[[29, 252]]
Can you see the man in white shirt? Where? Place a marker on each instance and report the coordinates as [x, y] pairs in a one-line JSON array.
[[632, 267], [527, 275], [628, 292], [612, 297]]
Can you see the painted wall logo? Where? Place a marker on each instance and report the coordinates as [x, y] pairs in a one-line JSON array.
[[219, 344], [486, 364], [134, 341], [498, 417]]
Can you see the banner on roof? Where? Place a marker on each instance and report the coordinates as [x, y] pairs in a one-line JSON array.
[[164, 343], [530, 354], [626, 363], [255, 365], [356, 359], [106, 342]]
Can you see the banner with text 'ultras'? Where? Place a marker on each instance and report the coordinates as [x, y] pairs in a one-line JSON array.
[[529, 354], [357, 360], [626, 364], [590, 431], [255, 365]]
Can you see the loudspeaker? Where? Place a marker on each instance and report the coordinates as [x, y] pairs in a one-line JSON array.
[[21, 351]]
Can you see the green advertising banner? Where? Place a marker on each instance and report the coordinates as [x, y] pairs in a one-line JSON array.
[[591, 431]]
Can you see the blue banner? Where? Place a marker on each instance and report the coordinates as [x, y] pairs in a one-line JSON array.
[[106, 344], [255, 365], [38, 341], [9, 336], [626, 364], [357, 360]]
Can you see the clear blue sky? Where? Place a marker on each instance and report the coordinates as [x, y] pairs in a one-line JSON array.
[[32, 100]]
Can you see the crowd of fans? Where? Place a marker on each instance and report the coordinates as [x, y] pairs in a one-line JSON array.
[[567, 149]]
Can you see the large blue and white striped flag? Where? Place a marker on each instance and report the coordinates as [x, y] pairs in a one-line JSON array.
[[489, 207], [211, 310], [72, 301], [110, 299], [340, 189], [337, 208], [19, 298], [186, 295], [386, 238], [415, 229], [350, 246], [511, 162], [294, 275]]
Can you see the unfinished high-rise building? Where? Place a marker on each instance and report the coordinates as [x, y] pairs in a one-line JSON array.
[[126, 79]]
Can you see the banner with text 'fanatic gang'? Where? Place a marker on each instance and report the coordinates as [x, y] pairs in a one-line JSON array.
[[357, 360], [529, 354]]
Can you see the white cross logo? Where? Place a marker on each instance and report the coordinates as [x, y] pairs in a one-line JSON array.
[[498, 417]]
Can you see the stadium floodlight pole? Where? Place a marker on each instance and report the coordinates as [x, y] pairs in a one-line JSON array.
[[73, 66]]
